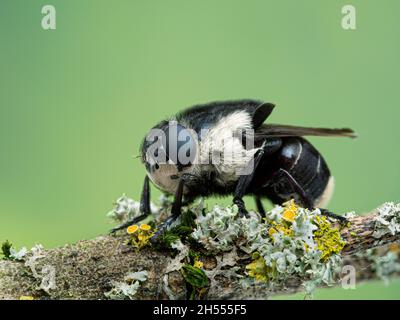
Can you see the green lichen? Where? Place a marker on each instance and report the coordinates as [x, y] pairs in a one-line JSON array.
[[6, 249], [10, 253], [257, 269], [328, 239], [196, 278], [169, 237], [181, 230]]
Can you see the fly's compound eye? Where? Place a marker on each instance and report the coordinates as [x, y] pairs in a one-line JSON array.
[[180, 146], [171, 144]]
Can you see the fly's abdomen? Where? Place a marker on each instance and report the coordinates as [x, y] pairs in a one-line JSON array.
[[307, 167]]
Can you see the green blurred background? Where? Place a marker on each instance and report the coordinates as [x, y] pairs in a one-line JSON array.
[[75, 102]]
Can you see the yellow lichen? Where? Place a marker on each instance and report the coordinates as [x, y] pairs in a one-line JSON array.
[[140, 235], [26, 298], [286, 230], [145, 227], [394, 247], [198, 264], [132, 229], [281, 227], [285, 225], [328, 239], [290, 211], [272, 231], [258, 269]]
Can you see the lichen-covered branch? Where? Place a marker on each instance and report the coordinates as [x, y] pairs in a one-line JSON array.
[[222, 257]]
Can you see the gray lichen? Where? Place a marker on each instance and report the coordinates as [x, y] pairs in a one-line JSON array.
[[226, 266], [284, 245], [128, 288], [175, 264], [387, 265], [384, 266], [126, 208], [46, 274], [387, 220], [18, 255], [87, 269], [217, 229], [290, 242]]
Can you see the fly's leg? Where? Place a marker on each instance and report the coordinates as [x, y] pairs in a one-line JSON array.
[[335, 216], [268, 147], [306, 200], [175, 211], [144, 207], [259, 205]]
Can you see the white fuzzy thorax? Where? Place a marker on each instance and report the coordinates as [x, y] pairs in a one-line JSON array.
[[221, 147]]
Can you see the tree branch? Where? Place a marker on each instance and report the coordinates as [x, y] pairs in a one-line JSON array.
[[91, 268]]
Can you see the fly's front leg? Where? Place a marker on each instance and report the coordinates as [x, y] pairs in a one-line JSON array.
[[335, 216], [259, 205], [175, 211], [144, 207]]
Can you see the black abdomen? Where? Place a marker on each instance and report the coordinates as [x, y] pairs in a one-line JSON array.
[[303, 162]]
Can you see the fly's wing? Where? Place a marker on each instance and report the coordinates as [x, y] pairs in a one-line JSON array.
[[260, 113], [207, 115], [279, 130]]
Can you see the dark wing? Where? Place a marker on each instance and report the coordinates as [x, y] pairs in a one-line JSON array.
[[279, 130], [205, 115], [260, 113]]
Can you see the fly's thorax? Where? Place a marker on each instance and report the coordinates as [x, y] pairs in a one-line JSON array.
[[222, 147]]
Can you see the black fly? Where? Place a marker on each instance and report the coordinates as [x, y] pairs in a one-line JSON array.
[[225, 148]]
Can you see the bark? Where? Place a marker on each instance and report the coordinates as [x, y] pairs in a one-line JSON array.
[[89, 269]]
